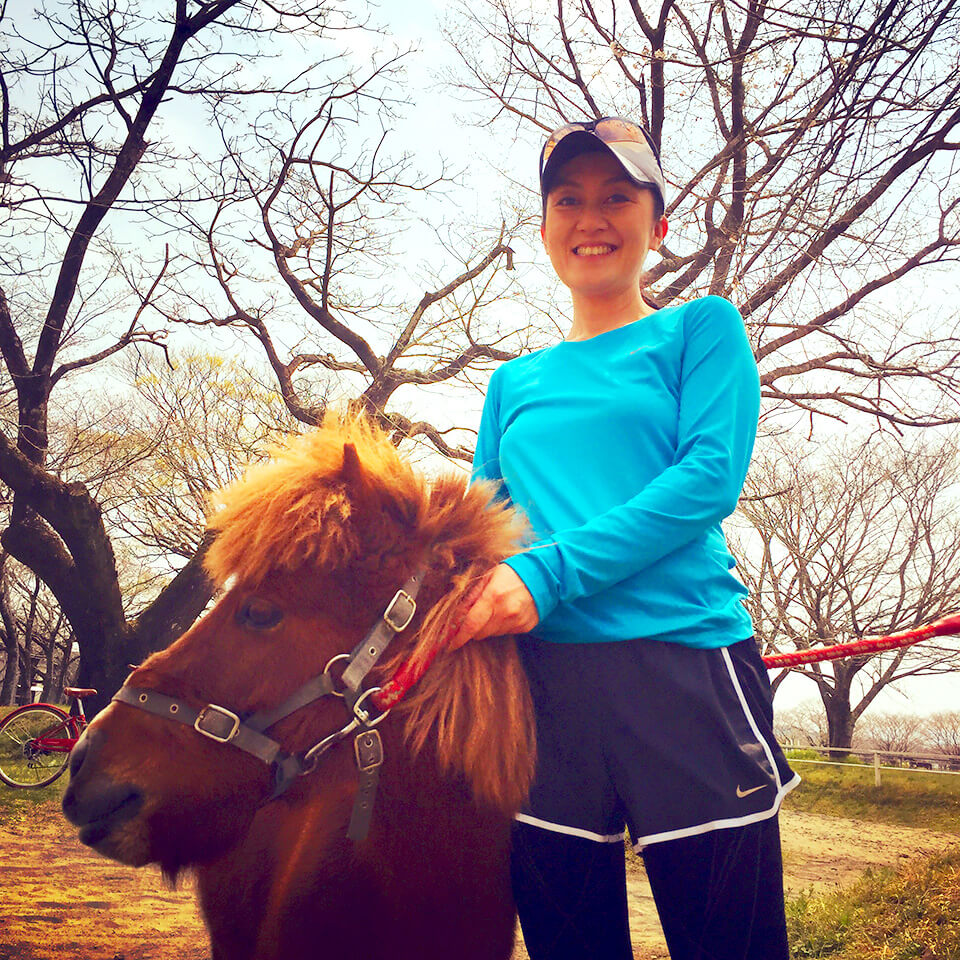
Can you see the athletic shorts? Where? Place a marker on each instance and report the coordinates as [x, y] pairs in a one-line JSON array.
[[666, 740]]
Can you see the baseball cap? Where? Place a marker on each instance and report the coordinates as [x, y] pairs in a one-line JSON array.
[[629, 143]]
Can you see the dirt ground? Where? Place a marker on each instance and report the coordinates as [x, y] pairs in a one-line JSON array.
[[59, 901]]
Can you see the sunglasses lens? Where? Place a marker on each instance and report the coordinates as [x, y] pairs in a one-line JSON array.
[[556, 137], [613, 129], [609, 130]]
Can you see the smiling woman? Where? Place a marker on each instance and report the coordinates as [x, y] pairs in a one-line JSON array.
[[626, 445]]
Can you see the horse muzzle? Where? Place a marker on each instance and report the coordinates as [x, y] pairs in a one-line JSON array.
[[100, 806]]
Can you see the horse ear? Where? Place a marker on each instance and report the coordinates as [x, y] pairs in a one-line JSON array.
[[363, 491], [361, 486], [351, 471]]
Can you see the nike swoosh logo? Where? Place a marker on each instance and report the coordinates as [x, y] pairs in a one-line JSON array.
[[746, 793]]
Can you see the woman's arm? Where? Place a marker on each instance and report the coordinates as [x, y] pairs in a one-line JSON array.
[[486, 455]]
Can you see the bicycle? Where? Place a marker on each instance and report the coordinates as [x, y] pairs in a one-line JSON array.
[[36, 740]]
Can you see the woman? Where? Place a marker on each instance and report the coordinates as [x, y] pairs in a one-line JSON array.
[[627, 444]]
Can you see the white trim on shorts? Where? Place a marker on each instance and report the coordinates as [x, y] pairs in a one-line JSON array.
[[782, 788], [719, 824], [571, 831]]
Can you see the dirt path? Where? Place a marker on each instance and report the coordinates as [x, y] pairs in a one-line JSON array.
[[59, 901]]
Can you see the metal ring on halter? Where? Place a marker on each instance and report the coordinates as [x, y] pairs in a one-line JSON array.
[[326, 670], [313, 755], [363, 716]]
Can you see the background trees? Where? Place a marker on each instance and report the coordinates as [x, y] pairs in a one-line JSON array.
[[809, 152], [113, 220], [850, 541], [82, 86], [37, 641]]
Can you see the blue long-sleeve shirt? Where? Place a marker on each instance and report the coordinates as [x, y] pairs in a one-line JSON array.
[[626, 451]]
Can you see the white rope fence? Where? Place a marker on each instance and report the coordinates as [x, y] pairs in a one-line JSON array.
[[946, 765]]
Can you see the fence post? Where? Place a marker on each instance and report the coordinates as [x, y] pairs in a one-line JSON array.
[[876, 769]]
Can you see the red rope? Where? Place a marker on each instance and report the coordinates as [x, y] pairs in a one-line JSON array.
[[948, 626], [397, 687]]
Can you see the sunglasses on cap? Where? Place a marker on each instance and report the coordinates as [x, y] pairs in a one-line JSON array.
[[626, 140]]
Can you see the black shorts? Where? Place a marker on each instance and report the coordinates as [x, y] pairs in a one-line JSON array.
[[666, 740]]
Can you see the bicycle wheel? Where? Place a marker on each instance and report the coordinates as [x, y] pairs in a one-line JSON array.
[[25, 761]]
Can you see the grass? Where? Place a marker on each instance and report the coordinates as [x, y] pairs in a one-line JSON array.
[[18, 805], [886, 915], [905, 798], [913, 912]]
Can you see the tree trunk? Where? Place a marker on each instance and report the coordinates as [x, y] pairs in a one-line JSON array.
[[10, 671], [24, 694], [103, 664], [840, 724], [50, 694], [64, 669]]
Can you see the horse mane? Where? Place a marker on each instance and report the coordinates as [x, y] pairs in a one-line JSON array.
[[341, 497]]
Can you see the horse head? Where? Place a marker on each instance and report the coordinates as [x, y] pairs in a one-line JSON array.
[[310, 548]]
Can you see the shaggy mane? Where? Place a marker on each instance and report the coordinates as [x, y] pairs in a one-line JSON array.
[[312, 504]]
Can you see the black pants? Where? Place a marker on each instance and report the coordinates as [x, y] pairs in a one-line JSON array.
[[719, 894]]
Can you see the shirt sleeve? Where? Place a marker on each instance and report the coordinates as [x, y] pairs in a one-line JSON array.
[[486, 456], [719, 405]]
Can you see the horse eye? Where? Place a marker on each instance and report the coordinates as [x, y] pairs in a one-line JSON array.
[[258, 614]]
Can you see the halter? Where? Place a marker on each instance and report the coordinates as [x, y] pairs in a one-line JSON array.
[[222, 725]]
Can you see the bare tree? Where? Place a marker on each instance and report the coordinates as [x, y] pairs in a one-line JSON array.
[[810, 151], [847, 542], [896, 732], [276, 219], [302, 250], [202, 420], [803, 724], [942, 731], [36, 640], [84, 90]]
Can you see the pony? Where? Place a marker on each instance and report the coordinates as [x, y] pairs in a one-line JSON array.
[[309, 548]]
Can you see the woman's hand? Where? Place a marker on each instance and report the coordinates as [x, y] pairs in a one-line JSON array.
[[499, 604]]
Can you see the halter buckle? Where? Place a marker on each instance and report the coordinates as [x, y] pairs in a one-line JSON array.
[[400, 611], [218, 715], [368, 750]]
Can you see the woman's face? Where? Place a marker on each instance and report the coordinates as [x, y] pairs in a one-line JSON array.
[[599, 226]]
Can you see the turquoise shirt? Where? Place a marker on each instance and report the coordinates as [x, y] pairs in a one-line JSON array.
[[626, 451]]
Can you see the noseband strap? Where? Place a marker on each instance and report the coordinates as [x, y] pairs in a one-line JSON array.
[[223, 725], [215, 722]]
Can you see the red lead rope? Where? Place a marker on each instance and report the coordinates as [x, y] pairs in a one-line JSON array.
[[948, 626], [396, 688]]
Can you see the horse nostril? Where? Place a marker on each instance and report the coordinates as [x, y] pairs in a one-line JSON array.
[[81, 751]]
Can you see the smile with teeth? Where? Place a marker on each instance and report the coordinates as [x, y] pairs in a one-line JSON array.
[[594, 250]]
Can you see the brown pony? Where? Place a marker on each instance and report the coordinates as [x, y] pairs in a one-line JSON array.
[[310, 548]]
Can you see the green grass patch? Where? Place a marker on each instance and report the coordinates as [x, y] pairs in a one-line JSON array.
[[886, 915], [904, 797], [18, 805]]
